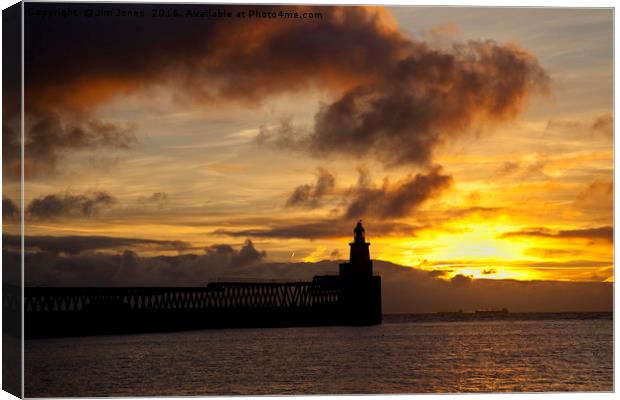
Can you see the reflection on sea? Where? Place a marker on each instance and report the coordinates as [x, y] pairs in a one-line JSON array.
[[556, 352]]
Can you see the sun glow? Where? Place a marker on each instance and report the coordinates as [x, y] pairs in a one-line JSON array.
[[479, 252], [480, 244]]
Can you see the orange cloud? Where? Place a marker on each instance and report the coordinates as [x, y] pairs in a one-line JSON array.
[[398, 96]]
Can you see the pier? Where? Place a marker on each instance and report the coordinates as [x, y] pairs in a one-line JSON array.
[[353, 297]]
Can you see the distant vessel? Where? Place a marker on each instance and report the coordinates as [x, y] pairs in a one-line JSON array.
[[492, 311], [449, 313]]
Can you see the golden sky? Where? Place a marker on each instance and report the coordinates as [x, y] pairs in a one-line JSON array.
[[469, 142]]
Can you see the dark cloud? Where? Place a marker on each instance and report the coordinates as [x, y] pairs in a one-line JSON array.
[[605, 233], [378, 205], [10, 210], [128, 268], [397, 99], [157, 199], [370, 201], [405, 289], [80, 244], [226, 255], [309, 196], [426, 98], [322, 228], [399, 200], [197, 57], [49, 136], [438, 273], [69, 205], [461, 279]]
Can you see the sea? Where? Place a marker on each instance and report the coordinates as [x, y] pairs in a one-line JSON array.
[[532, 352]]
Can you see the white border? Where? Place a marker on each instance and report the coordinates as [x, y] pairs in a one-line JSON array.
[[462, 3]]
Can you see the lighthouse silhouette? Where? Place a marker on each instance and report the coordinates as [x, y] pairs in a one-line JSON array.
[[361, 290]]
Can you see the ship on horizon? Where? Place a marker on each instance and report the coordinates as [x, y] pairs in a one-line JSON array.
[[479, 311], [491, 311]]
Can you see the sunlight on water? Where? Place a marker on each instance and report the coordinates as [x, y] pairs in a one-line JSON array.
[[400, 356]]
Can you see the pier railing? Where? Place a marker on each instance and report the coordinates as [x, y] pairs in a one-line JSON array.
[[217, 295]]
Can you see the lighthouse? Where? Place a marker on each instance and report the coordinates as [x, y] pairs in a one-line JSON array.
[[360, 264], [361, 290]]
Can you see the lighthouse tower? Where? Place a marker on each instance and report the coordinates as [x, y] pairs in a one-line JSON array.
[[360, 264], [361, 291]]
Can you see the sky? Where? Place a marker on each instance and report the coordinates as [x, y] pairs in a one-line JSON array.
[[476, 148]]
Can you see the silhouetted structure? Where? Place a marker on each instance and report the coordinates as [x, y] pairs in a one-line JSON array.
[[360, 290], [351, 298]]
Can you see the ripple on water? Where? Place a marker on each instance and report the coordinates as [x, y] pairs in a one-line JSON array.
[[403, 357]]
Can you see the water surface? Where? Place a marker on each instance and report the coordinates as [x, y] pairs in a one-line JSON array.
[[560, 352]]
